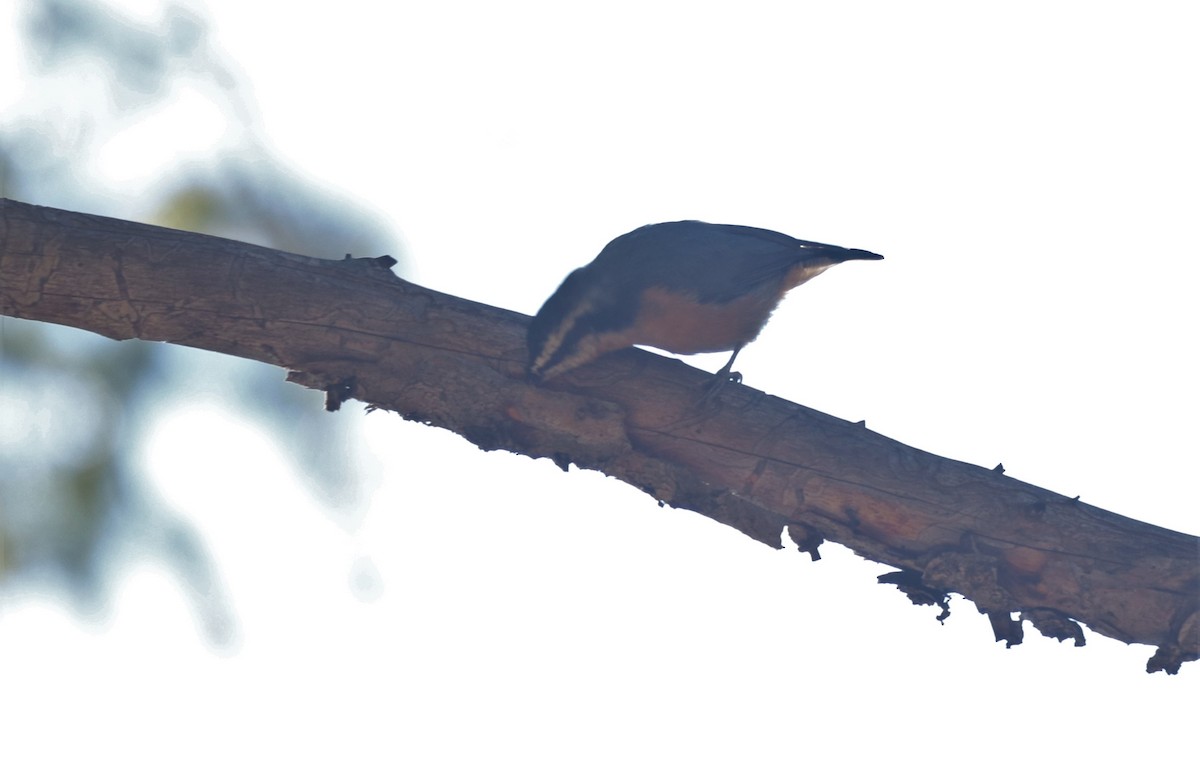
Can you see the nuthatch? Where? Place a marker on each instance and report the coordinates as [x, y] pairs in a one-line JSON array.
[[684, 287]]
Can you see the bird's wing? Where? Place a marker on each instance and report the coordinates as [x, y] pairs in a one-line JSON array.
[[714, 263]]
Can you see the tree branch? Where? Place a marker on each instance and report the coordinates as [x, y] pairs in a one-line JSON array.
[[752, 461]]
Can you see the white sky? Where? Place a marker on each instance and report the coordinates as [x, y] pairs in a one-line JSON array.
[[1030, 174]]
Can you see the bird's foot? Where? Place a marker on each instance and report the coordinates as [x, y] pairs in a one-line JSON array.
[[717, 383]]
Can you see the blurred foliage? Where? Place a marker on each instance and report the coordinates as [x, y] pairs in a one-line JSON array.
[[8, 187], [64, 427], [72, 404], [140, 60]]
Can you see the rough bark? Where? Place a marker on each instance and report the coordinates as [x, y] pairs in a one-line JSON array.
[[757, 463]]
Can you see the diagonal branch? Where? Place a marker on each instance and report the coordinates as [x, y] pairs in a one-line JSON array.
[[752, 461]]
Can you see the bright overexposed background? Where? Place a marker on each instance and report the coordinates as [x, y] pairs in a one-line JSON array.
[[1029, 170]]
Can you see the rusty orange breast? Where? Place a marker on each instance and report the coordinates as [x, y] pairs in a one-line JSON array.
[[681, 324]]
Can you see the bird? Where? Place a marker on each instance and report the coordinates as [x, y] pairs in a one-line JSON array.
[[684, 287]]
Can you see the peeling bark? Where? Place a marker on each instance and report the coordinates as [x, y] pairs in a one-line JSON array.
[[757, 463]]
